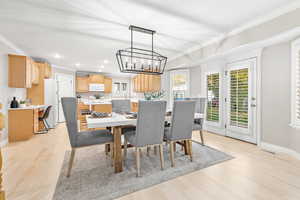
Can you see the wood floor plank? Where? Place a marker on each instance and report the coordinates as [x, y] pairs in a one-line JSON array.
[[31, 169]]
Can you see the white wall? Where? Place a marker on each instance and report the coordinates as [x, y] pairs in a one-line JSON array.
[[276, 97], [195, 82], [6, 93]]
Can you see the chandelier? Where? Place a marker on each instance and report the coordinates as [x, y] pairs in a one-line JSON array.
[[141, 61]]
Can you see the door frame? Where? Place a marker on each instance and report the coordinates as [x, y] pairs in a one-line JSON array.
[[242, 56], [237, 132], [57, 74]]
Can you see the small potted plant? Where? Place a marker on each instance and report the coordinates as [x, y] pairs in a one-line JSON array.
[[22, 104]]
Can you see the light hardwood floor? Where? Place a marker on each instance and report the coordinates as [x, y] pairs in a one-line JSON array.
[[31, 170]]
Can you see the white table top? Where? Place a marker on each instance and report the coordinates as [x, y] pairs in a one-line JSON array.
[[119, 120]]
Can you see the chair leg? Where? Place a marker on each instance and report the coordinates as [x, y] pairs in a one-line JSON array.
[[155, 150], [191, 149], [46, 129], [111, 148], [174, 144], [172, 154], [71, 162], [125, 149], [106, 149], [47, 124], [162, 160], [148, 150], [138, 164], [201, 136]]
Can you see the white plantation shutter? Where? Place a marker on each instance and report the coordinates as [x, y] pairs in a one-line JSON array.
[[296, 84], [239, 98], [213, 100]]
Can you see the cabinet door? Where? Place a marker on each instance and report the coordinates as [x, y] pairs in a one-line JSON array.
[[82, 84], [156, 83], [28, 79], [107, 85], [106, 108], [96, 78], [48, 70], [35, 74]]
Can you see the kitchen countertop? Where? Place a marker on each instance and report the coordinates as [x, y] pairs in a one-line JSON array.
[[29, 107]]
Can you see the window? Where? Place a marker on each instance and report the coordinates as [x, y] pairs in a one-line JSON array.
[[179, 84], [213, 97], [295, 84], [238, 98]]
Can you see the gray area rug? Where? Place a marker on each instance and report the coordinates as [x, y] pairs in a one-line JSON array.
[[93, 176]]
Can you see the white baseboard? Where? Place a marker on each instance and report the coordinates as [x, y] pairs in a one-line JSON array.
[[279, 149], [4, 142]]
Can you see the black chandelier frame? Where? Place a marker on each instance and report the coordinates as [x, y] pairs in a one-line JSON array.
[[155, 63]]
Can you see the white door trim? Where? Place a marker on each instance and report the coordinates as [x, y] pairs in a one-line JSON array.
[[56, 75], [242, 55]]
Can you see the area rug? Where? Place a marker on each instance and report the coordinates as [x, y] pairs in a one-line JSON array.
[[93, 176]]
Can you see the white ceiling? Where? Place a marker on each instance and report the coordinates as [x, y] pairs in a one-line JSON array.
[[89, 32]]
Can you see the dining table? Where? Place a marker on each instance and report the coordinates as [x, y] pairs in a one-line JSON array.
[[117, 121]]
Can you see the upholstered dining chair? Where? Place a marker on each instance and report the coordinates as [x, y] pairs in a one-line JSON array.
[[81, 139], [121, 105], [149, 129], [198, 123], [181, 126]]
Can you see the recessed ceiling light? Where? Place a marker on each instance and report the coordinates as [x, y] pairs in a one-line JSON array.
[[99, 70], [57, 56], [77, 64], [106, 61], [101, 66]]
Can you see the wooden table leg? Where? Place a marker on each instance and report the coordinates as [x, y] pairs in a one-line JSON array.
[[117, 150], [186, 147]]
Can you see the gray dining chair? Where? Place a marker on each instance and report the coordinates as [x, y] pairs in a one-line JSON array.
[[121, 105], [181, 127], [198, 123], [81, 139], [149, 129]]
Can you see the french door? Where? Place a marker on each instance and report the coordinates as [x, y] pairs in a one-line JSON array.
[[240, 112]]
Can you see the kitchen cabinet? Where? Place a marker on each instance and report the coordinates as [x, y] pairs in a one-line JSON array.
[[82, 84], [23, 123], [1, 118], [35, 74], [96, 78], [48, 71], [134, 107], [37, 92], [146, 83], [19, 72], [106, 108], [107, 85]]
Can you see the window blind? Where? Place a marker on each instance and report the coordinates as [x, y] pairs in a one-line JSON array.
[[239, 98], [213, 100]]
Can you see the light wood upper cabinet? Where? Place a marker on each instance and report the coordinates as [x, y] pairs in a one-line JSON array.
[[107, 85], [96, 78], [48, 71], [37, 92], [19, 72], [82, 84], [35, 73], [146, 83]]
